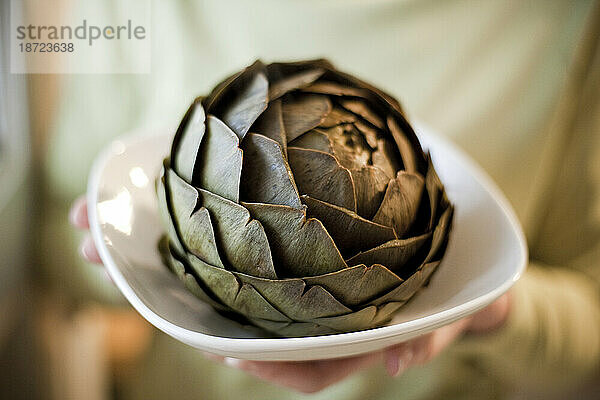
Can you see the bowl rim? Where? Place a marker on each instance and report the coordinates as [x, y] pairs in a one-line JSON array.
[[273, 345]]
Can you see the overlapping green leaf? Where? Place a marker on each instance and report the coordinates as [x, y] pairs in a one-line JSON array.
[[301, 114], [301, 246], [401, 202], [321, 176], [219, 163], [350, 232], [266, 176], [297, 198]]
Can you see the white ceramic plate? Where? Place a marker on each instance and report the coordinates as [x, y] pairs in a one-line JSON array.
[[485, 256]]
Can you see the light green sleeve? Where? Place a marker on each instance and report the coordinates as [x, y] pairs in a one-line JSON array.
[[552, 337]]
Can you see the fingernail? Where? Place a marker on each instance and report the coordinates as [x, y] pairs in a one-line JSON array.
[[85, 249], [402, 362], [233, 362], [405, 360], [396, 361], [88, 250], [78, 214]]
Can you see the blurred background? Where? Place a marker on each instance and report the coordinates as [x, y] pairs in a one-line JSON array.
[[491, 75]]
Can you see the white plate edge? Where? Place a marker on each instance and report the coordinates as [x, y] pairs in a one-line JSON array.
[[266, 345]]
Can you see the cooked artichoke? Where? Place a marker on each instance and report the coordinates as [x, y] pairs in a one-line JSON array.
[[297, 198]]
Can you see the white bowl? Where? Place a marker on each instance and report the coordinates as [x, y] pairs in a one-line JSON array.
[[486, 255]]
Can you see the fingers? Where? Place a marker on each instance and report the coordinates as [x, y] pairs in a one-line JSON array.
[[88, 250], [493, 316], [213, 357], [307, 376], [398, 359], [442, 338], [313, 376], [78, 215], [421, 350]]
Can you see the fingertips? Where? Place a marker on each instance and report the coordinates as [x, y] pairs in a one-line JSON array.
[[398, 359], [78, 215], [300, 376], [234, 362], [88, 250], [213, 357], [262, 370]]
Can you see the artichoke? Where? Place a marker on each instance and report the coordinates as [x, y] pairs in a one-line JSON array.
[[297, 198]]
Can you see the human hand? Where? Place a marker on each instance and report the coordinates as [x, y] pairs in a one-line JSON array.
[[313, 376], [78, 217]]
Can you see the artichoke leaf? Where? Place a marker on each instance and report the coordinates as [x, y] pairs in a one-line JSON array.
[[293, 82], [385, 157], [164, 249], [433, 186], [296, 299], [407, 151], [241, 240], [294, 329], [368, 91], [359, 107], [214, 97], [189, 281], [338, 116], [370, 184], [409, 287], [279, 70], [251, 102], [440, 236], [334, 89], [219, 92], [303, 113], [320, 175], [315, 140], [357, 320], [270, 124], [394, 254], [381, 99], [385, 312], [186, 143], [182, 199], [165, 211], [371, 134], [266, 175], [239, 100], [300, 246], [198, 235], [350, 232], [357, 285], [195, 227], [239, 296], [349, 146], [401, 202], [219, 164]]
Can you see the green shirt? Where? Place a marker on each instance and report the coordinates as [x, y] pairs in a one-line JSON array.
[[513, 83]]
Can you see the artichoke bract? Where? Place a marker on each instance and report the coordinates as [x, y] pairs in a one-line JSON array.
[[297, 198]]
